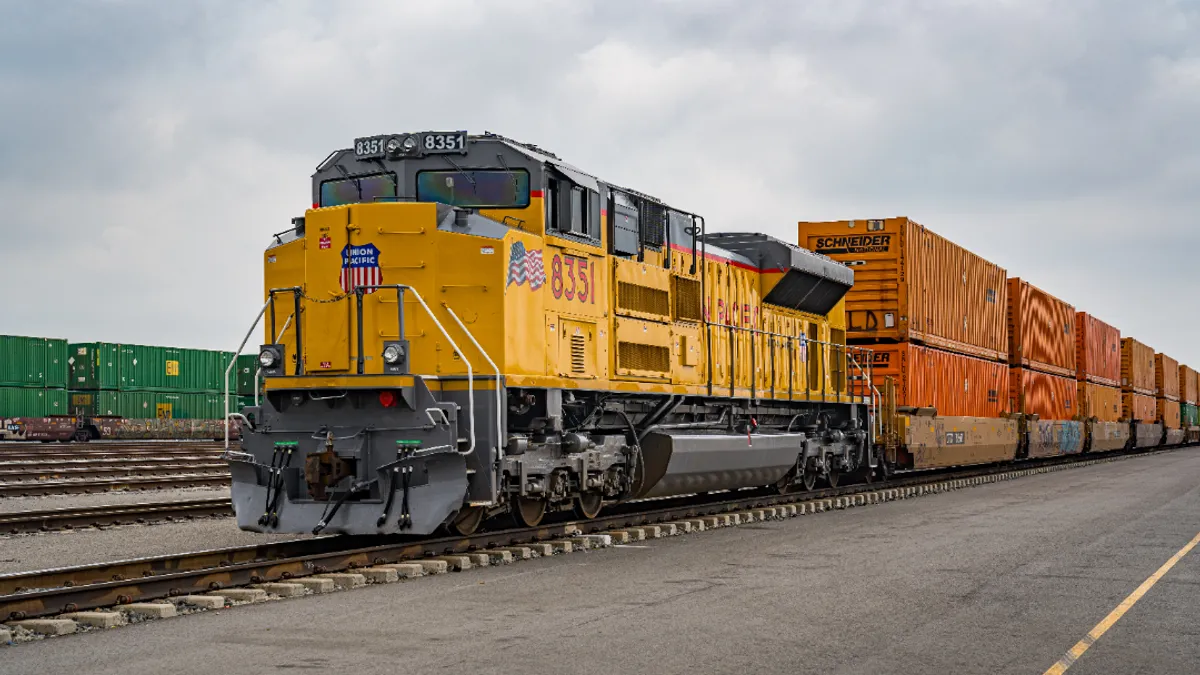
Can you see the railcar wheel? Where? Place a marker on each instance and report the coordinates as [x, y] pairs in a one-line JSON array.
[[588, 504], [468, 520], [809, 479], [528, 511]]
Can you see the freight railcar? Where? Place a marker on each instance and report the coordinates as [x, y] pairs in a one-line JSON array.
[[465, 326], [67, 428]]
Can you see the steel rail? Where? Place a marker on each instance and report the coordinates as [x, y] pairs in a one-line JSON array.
[[103, 461], [12, 474], [69, 589], [64, 487], [115, 514]]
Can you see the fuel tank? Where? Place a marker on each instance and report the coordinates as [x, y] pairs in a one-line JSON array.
[[679, 464]]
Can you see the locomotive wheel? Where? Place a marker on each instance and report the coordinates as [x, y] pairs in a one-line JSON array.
[[833, 477], [468, 520], [810, 477], [588, 504], [528, 511]]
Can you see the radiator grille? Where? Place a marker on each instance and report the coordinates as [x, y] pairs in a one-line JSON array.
[[634, 356], [687, 299], [636, 298], [578, 354]]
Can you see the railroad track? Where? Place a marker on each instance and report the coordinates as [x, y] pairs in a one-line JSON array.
[[117, 466], [50, 446], [59, 455], [75, 487], [104, 516], [49, 592]]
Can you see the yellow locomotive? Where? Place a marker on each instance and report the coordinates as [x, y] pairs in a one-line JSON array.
[[465, 326]]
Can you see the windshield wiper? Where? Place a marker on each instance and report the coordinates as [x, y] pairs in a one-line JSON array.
[[389, 174], [469, 177], [511, 174], [346, 174]]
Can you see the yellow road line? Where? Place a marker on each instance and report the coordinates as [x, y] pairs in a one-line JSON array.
[[1101, 628]]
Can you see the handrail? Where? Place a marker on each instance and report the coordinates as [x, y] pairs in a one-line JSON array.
[[400, 290], [499, 402], [849, 351], [269, 303]]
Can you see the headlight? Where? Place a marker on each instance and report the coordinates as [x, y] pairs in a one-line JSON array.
[[267, 358], [392, 353], [393, 146], [410, 143]]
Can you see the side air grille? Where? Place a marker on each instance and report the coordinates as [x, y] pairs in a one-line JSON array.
[[578, 354], [688, 305], [634, 356], [652, 218], [643, 299]]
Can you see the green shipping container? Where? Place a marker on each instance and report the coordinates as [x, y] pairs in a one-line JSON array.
[[171, 369], [33, 362], [1189, 415], [32, 402], [164, 405], [93, 403], [247, 370], [94, 365]]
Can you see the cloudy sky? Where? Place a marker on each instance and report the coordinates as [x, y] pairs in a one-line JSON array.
[[148, 149]]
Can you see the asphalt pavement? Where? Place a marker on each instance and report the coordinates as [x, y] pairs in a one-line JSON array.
[[1002, 578]]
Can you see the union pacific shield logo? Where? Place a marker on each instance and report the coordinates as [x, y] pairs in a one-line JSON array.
[[525, 265], [360, 267]]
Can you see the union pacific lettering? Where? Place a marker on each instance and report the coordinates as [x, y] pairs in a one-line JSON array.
[[858, 243]]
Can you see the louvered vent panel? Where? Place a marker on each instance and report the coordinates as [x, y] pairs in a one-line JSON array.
[[634, 356], [635, 298], [652, 219], [687, 299], [578, 354]]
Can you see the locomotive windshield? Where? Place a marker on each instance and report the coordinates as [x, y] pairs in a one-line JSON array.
[[358, 189], [480, 188]]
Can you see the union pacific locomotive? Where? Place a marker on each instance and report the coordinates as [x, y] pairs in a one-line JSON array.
[[466, 327]]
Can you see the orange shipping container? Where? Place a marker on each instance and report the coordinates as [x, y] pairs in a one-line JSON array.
[[912, 284], [1097, 350], [1166, 377], [954, 384], [1168, 412], [1137, 367], [1041, 330], [1099, 401], [1139, 407], [1050, 397], [1189, 383]]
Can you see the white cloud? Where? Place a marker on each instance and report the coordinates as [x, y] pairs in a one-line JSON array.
[[147, 150]]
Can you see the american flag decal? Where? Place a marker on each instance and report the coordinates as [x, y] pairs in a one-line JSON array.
[[360, 267], [526, 265]]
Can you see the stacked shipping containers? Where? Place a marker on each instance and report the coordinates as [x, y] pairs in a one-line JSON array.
[[1098, 368], [932, 311], [1189, 390], [247, 378], [1137, 381], [140, 382], [33, 376], [1166, 386], [1041, 353]]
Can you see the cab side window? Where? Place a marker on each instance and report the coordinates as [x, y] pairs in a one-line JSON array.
[[572, 209], [579, 211]]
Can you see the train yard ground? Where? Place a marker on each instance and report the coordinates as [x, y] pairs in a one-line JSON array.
[[1001, 578]]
